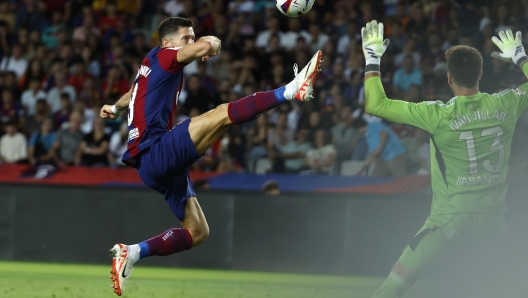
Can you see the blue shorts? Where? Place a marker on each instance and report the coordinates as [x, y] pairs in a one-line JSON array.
[[164, 167]]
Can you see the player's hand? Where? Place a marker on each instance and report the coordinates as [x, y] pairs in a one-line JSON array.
[[373, 44], [107, 113], [512, 49]]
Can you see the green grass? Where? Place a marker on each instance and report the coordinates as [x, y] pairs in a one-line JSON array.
[[20, 279]]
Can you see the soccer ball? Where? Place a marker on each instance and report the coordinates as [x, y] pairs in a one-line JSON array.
[[294, 8]]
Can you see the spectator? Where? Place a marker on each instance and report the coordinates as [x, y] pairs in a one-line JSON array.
[[280, 135], [344, 135], [67, 141], [273, 29], [197, 97], [271, 188], [384, 149], [345, 40], [322, 157], [13, 145], [94, 68], [405, 77], [81, 33], [11, 110], [93, 150], [16, 62], [115, 85], [118, 145], [30, 96], [54, 95], [35, 71], [33, 123], [109, 19], [317, 38], [77, 79], [291, 156], [50, 34], [62, 115], [256, 140], [40, 144], [7, 15], [295, 31]]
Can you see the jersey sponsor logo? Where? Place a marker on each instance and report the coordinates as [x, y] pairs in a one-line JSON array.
[[133, 134], [144, 71], [477, 115], [481, 180]]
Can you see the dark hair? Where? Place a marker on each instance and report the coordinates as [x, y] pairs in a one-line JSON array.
[[464, 64], [359, 123], [172, 25], [270, 185], [11, 122], [65, 95]]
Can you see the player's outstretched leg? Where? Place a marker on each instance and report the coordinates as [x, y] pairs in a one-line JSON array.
[[207, 128]]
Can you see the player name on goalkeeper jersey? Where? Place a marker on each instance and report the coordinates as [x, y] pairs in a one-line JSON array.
[[481, 180], [477, 115]]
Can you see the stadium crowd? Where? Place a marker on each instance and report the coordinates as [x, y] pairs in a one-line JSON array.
[[61, 60]]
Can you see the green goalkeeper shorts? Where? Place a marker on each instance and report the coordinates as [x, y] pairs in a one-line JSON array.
[[444, 232]]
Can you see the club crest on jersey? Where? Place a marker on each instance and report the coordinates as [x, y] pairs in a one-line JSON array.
[[144, 71], [133, 134]]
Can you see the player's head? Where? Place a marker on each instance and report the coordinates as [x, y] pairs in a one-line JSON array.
[[175, 32], [464, 67]]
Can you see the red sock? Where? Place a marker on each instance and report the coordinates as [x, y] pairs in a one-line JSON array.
[[168, 243], [248, 108]]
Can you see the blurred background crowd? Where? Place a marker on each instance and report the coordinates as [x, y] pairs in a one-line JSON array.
[[61, 60]]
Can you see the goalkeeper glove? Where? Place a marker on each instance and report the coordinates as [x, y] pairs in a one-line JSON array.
[[512, 49], [373, 45]]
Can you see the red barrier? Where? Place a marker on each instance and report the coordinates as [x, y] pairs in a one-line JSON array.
[[82, 176]]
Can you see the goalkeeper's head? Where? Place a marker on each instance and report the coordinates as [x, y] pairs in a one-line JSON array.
[[464, 67]]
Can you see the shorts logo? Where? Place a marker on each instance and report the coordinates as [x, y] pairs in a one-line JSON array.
[[133, 134]]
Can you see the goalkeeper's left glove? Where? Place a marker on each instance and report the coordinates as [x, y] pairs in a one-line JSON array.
[[373, 45], [512, 49]]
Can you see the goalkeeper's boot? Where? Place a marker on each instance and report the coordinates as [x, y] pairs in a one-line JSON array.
[[122, 267], [305, 79]]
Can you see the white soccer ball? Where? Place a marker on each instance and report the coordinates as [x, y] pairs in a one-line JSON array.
[[294, 8]]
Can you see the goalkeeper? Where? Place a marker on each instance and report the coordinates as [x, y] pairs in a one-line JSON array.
[[471, 137]]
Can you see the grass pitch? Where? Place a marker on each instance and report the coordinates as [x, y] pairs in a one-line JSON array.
[[20, 279]]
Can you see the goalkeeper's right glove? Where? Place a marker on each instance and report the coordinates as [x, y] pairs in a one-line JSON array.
[[512, 49]]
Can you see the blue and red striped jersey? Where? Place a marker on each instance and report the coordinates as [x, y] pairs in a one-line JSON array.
[[153, 101]]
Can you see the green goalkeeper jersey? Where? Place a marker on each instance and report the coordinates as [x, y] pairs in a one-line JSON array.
[[471, 140]]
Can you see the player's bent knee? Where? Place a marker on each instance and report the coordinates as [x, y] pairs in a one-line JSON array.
[[199, 235]]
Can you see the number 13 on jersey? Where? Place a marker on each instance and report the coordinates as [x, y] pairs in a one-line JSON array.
[[496, 146]]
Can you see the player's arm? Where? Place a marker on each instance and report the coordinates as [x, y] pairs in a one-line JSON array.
[[112, 112], [205, 47], [425, 115], [512, 50]]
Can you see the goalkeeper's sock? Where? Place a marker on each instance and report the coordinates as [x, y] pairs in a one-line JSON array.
[[393, 287], [168, 243], [250, 107]]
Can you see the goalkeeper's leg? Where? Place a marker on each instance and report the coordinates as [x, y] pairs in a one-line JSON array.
[[427, 246]]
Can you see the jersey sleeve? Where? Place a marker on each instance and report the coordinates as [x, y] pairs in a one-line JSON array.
[[168, 60], [424, 115], [521, 94]]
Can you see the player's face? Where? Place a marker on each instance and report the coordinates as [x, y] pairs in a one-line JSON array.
[[184, 37]]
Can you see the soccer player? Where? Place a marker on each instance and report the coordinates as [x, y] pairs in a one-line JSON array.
[[471, 137], [162, 152]]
